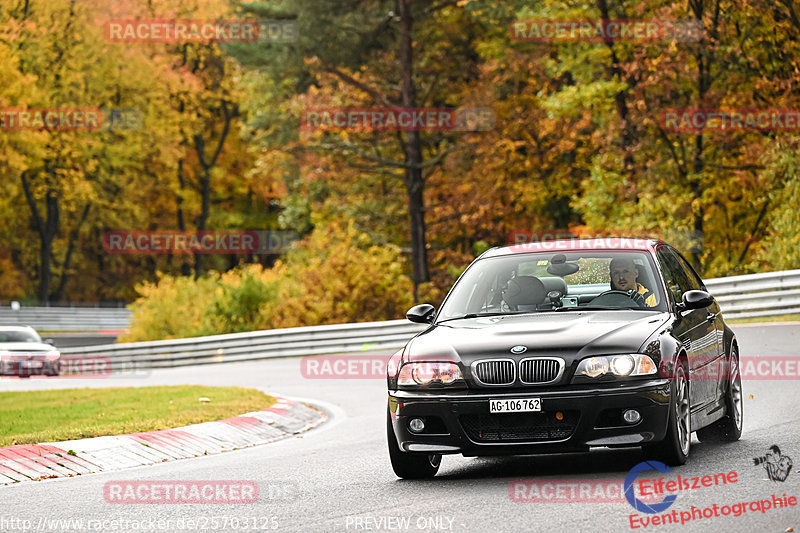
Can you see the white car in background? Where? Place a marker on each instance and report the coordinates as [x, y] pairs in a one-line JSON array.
[[23, 354]]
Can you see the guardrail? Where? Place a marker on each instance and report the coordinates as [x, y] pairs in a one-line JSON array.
[[768, 294], [67, 318], [757, 295], [308, 340], [740, 297]]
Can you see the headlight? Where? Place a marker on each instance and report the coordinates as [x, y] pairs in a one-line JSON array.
[[619, 365], [427, 373], [622, 365], [391, 366], [593, 367]]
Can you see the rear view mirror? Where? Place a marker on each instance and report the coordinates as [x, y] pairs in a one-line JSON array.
[[421, 314], [560, 267]]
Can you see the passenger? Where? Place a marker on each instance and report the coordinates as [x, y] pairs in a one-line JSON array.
[[623, 274]]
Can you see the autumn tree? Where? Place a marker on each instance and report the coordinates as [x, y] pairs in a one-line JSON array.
[[381, 46]]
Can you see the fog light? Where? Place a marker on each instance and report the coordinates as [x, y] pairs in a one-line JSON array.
[[631, 416], [559, 415], [416, 425]]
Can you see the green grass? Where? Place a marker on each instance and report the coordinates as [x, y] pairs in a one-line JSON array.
[[753, 320], [54, 415]]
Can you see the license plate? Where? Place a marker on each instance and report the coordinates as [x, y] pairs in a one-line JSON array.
[[515, 405], [31, 364]]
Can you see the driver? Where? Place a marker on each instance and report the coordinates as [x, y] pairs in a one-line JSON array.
[[623, 278]]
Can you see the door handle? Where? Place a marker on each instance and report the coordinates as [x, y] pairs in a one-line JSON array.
[[711, 317]]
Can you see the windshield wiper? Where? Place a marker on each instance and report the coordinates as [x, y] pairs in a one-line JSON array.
[[480, 315], [596, 307]]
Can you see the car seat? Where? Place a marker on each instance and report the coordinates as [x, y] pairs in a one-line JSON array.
[[554, 284], [644, 278], [526, 291]]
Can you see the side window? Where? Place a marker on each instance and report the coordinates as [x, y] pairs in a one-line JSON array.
[[674, 274], [694, 279]]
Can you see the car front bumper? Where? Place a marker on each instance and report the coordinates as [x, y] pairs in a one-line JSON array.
[[458, 420]]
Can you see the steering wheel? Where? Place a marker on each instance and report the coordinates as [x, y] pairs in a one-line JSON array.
[[632, 294]]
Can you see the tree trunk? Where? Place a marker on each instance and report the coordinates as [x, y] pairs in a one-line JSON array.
[[703, 57], [205, 175], [415, 184], [47, 229], [620, 99], [202, 220], [699, 213], [186, 267], [73, 237]]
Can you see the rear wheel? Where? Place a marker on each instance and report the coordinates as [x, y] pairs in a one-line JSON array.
[[674, 449], [729, 427], [409, 465]]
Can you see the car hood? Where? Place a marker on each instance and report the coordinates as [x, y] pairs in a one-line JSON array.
[[26, 347], [571, 335]]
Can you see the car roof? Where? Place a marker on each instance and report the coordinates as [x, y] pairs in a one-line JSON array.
[[611, 244], [17, 328]]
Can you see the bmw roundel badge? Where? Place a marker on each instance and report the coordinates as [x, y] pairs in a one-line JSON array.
[[519, 349]]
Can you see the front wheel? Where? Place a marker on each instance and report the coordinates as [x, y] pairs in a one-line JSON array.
[[674, 449], [409, 465], [729, 427]]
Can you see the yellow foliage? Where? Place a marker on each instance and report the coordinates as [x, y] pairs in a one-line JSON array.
[[336, 275]]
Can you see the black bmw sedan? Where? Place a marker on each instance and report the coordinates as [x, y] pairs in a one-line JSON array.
[[562, 346]]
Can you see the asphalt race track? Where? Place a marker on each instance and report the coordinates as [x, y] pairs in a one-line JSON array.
[[338, 477]]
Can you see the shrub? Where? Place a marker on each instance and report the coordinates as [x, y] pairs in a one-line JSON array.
[[174, 307], [335, 275]]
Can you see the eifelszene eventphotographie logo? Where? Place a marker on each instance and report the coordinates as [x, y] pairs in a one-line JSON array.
[[777, 465]]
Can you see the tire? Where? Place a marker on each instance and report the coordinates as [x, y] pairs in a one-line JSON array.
[[729, 427], [674, 449], [409, 465]]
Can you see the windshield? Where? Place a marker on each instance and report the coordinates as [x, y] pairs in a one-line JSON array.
[[19, 336], [547, 281]]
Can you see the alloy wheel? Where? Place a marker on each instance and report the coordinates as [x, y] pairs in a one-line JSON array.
[[682, 411], [736, 393]]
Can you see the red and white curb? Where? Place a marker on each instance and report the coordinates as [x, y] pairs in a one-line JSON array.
[[33, 462]]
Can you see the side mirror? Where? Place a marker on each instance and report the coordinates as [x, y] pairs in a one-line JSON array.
[[51, 342], [695, 300], [421, 314]]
